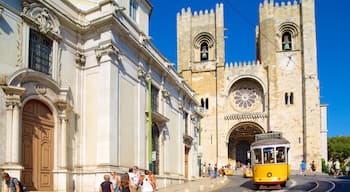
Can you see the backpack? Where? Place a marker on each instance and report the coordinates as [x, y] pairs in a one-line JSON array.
[[21, 186]]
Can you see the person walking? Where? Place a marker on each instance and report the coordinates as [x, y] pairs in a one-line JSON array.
[[303, 167], [115, 181], [12, 183], [106, 185], [124, 183], [148, 182], [204, 169], [337, 168]]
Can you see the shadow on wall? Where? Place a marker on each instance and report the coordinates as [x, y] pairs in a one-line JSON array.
[[4, 26]]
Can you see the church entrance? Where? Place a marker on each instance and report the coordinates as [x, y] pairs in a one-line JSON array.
[[240, 139], [37, 146]]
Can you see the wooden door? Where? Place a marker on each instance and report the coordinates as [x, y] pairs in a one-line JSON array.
[[37, 146]]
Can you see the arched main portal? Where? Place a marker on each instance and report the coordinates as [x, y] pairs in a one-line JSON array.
[[37, 146], [240, 139]]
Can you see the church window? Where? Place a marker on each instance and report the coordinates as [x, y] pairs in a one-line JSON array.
[[202, 103], [40, 52], [245, 98], [286, 98], [204, 52], [132, 9], [154, 93], [207, 103], [286, 41], [289, 98]]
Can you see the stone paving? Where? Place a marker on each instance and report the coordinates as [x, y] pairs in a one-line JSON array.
[[202, 184]]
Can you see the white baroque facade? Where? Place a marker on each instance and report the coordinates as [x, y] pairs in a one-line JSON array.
[[83, 90]]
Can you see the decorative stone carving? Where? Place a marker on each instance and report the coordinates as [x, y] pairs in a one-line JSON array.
[[246, 116], [140, 72], [80, 59], [165, 93], [41, 89], [13, 95], [187, 140], [61, 105], [108, 49], [41, 16]]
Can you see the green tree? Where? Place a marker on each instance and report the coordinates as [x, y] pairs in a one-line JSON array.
[[339, 147]]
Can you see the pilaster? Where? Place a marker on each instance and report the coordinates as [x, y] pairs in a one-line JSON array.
[[12, 155]]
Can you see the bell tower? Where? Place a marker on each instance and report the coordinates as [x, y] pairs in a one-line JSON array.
[[200, 59], [200, 41], [286, 45]]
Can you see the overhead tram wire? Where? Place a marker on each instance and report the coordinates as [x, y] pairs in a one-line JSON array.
[[250, 23]]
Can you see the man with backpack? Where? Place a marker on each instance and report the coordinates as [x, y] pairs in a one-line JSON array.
[[12, 183]]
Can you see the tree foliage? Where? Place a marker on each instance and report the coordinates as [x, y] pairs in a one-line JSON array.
[[339, 147]]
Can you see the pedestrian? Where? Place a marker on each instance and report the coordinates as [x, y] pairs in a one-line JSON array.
[[204, 169], [106, 185], [209, 166], [303, 167], [330, 166], [337, 168], [124, 183], [215, 171], [136, 179], [148, 182], [115, 181], [12, 183], [347, 169], [313, 167]]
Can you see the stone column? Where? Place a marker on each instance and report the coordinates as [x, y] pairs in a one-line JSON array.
[[62, 126], [12, 155], [61, 175]]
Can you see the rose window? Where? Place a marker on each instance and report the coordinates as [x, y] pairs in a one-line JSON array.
[[245, 98]]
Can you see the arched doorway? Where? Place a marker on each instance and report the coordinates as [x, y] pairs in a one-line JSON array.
[[37, 146], [240, 139]]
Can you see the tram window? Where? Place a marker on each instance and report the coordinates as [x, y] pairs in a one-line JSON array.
[[269, 155], [257, 156], [281, 156]]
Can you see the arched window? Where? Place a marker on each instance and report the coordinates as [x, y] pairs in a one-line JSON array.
[[204, 52], [286, 41]]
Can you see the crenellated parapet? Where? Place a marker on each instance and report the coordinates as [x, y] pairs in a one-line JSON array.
[[267, 9], [242, 64], [247, 69], [188, 12]]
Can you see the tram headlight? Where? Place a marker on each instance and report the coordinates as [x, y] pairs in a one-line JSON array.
[[269, 174]]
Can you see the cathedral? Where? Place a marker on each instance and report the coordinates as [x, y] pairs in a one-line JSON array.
[[277, 92]]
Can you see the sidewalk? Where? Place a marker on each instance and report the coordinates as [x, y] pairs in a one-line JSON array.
[[201, 184]]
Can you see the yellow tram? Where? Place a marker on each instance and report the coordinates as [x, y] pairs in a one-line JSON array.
[[270, 155]]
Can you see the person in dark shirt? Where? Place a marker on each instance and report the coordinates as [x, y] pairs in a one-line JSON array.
[[12, 183], [106, 186]]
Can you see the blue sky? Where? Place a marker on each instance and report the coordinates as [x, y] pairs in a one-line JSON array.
[[333, 45]]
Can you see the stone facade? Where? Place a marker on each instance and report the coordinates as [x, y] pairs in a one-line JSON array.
[[277, 92], [84, 92]]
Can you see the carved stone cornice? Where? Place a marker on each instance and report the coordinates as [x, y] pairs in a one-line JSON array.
[[245, 116], [13, 95], [42, 17], [109, 50]]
